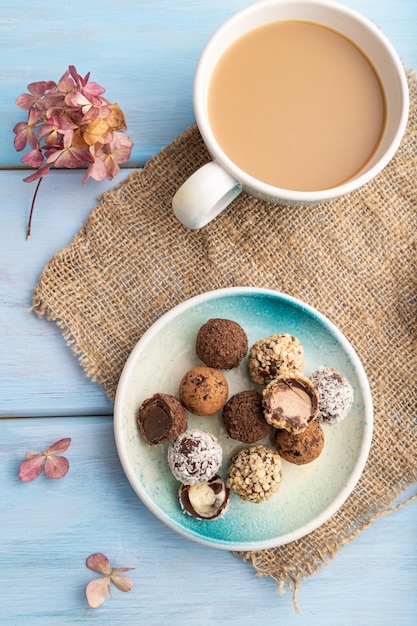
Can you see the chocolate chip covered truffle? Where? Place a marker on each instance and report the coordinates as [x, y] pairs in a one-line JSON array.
[[302, 448], [221, 343], [203, 390], [290, 402], [207, 501], [255, 473], [243, 417], [274, 356], [335, 395], [194, 456], [161, 418]]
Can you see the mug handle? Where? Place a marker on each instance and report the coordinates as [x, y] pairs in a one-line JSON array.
[[204, 195]]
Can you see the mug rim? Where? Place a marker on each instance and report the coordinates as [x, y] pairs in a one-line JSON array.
[[253, 185]]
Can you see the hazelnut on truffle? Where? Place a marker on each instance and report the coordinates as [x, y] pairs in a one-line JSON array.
[[208, 500]]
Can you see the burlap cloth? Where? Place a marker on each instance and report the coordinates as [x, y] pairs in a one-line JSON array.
[[354, 259]]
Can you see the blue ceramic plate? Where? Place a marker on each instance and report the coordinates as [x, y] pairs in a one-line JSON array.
[[308, 494]]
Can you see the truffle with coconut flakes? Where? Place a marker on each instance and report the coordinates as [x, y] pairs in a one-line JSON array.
[[335, 395], [194, 456]]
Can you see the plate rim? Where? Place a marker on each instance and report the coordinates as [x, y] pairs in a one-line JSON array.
[[364, 449]]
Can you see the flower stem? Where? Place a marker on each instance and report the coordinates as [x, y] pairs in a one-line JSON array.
[[31, 209]]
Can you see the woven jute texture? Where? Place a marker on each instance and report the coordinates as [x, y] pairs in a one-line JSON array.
[[354, 259]]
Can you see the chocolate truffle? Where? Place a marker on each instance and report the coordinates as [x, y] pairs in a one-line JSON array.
[[161, 418], [203, 390], [290, 403], [255, 473], [302, 448], [208, 500], [335, 395], [243, 417], [194, 456], [221, 343], [274, 356]]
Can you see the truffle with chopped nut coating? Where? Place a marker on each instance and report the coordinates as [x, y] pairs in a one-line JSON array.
[[274, 356], [254, 473]]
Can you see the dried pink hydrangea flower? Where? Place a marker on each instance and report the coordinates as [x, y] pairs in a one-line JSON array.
[[97, 590], [55, 466], [71, 124]]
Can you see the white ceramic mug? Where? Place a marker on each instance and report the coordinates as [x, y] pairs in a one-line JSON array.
[[211, 188]]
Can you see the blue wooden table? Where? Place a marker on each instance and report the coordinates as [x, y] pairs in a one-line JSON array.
[[144, 54]]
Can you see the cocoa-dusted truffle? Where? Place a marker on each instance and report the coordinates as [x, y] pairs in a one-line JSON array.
[[255, 473], [335, 395], [194, 456], [290, 403], [208, 500], [221, 343], [161, 418], [274, 356], [243, 417], [302, 448], [203, 390]]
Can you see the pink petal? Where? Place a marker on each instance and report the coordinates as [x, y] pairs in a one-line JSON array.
[[96, 592], [122, 582], [19, 127], [96, 170], [77, 78], [94, 89], [34, 158], [70, 157], [39, 88], [98, 562], [111, 166], [63, 158], [31, 468], [90, 114], [34, 117], [56, 147], [25, 101], [56, 466], [42, 171], [32, 139], [20, 140], [121, 147], [65, 84], [78, 99], [59, 446]]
